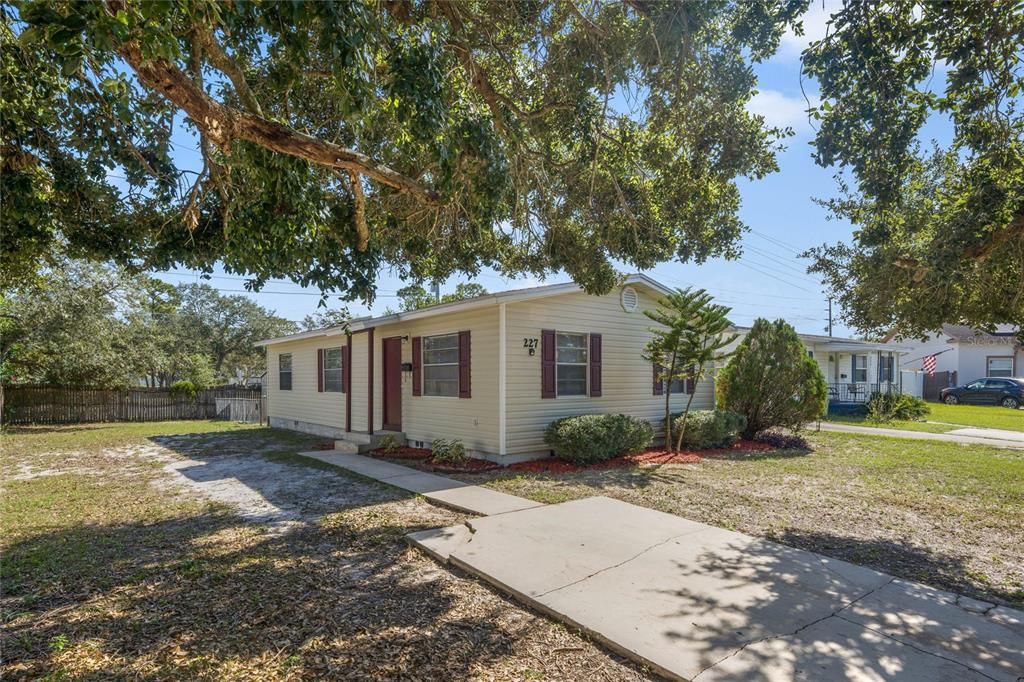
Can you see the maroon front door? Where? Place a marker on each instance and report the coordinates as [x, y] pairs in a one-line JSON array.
[[393, 384]]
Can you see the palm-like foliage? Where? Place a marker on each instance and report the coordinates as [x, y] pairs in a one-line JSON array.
[[692, 333]]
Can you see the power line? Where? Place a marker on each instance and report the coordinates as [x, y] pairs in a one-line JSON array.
[[776, 259], [786, 245], [795, 286]]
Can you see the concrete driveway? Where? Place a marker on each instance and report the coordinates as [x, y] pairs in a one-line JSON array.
[[697, 602]]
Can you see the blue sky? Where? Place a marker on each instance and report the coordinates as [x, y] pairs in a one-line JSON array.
[[769, 280]]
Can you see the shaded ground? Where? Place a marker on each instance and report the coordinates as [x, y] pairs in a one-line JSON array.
[[944, 514], [216, 555]]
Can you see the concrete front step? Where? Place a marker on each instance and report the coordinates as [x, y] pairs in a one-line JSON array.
[[356, 443]]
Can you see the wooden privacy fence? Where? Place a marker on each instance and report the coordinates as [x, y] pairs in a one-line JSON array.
[[934, 383], [61, 405]]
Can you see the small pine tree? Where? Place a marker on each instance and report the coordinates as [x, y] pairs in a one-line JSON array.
[[772, 381], [691, 337]]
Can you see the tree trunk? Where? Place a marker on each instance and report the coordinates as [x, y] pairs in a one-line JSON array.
[[686, 415], [668, 404]]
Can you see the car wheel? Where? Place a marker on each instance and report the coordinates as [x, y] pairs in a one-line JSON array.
[[1010, 402], [950, 400]]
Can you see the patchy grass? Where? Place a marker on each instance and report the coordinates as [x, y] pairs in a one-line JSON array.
[[113, 569], [929, 427], [940, 513], [945, 418]]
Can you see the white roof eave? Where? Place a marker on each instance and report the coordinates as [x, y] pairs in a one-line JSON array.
[[459, 306]]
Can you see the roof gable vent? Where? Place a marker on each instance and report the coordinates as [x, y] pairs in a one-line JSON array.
[[629, 299]]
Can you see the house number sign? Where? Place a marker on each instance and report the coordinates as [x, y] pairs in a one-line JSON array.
[[530, 345]]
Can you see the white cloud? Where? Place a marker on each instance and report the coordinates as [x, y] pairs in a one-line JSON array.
[[815, 22], [782, 110]]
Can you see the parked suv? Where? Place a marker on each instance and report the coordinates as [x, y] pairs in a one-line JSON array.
[[1005, 391]]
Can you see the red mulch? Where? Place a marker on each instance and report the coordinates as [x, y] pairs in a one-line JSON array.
[[470, 466], [402, 453], [324, 445], [652, 456]]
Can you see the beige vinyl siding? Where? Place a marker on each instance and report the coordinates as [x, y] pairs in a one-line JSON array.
[[360, 344], [627, 379], [472, 420], [304, 403]]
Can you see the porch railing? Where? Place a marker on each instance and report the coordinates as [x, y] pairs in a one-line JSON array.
[[858, 391]]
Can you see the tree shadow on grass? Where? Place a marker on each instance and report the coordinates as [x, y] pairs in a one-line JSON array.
[[903, 560], [188, 595]]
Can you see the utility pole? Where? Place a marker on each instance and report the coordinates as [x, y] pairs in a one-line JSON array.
[[829, 328], [437, 292]]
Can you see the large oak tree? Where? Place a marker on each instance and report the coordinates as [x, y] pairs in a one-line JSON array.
[[939, 229], [338, 138]]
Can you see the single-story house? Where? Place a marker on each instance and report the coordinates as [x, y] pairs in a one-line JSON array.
[[853, 368], [491, 371], [963, 354]]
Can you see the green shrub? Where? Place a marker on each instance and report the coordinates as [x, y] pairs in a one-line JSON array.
[[772, 381], [887, 407], [448, 451], [709, 428], [597, 437], [184, 389], [387, 444]]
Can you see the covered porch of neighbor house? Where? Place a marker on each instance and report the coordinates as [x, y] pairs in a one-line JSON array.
[[855, 370]]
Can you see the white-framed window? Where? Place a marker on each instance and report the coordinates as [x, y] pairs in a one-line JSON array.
[[1000, 367], [677, 386], [333, 370], [284, 371], [570, 364], [441, 365], [860, 368]]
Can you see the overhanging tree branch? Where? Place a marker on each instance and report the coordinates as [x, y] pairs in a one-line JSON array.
[[223, 124]]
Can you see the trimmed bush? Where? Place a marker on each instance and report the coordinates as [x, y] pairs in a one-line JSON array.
[[184, 389], [709, 428], [592, 438], [887, 407], [448, 451]]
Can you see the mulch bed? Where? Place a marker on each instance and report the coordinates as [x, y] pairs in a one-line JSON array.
[[423, 456], [652, 456]]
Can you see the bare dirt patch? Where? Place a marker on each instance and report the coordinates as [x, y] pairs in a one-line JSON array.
[[161, 566]]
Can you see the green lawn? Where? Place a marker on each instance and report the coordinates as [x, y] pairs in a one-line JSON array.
[[949, 417], [940, 513]]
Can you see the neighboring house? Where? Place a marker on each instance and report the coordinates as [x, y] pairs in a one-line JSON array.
[[491, 371], [970, 353], [855, 369]]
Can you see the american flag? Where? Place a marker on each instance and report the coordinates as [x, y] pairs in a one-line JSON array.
[[928, 364]]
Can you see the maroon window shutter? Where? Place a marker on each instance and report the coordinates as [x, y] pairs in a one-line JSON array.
[[547, 363], [320, 370], [595, 365], [691, 383], [659, 385], [417, 369], [464, 373]]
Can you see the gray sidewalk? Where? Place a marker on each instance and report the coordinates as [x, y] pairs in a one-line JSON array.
[[696, 602], [472, 499], [999, 439]]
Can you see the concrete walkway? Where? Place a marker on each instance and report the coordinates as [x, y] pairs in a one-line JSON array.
[[997, 439], [472, 499], [696, 602]]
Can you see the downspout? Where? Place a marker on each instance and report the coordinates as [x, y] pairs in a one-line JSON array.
[[502, 360]]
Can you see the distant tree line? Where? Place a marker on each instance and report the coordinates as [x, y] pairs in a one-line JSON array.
[[89, 324]]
